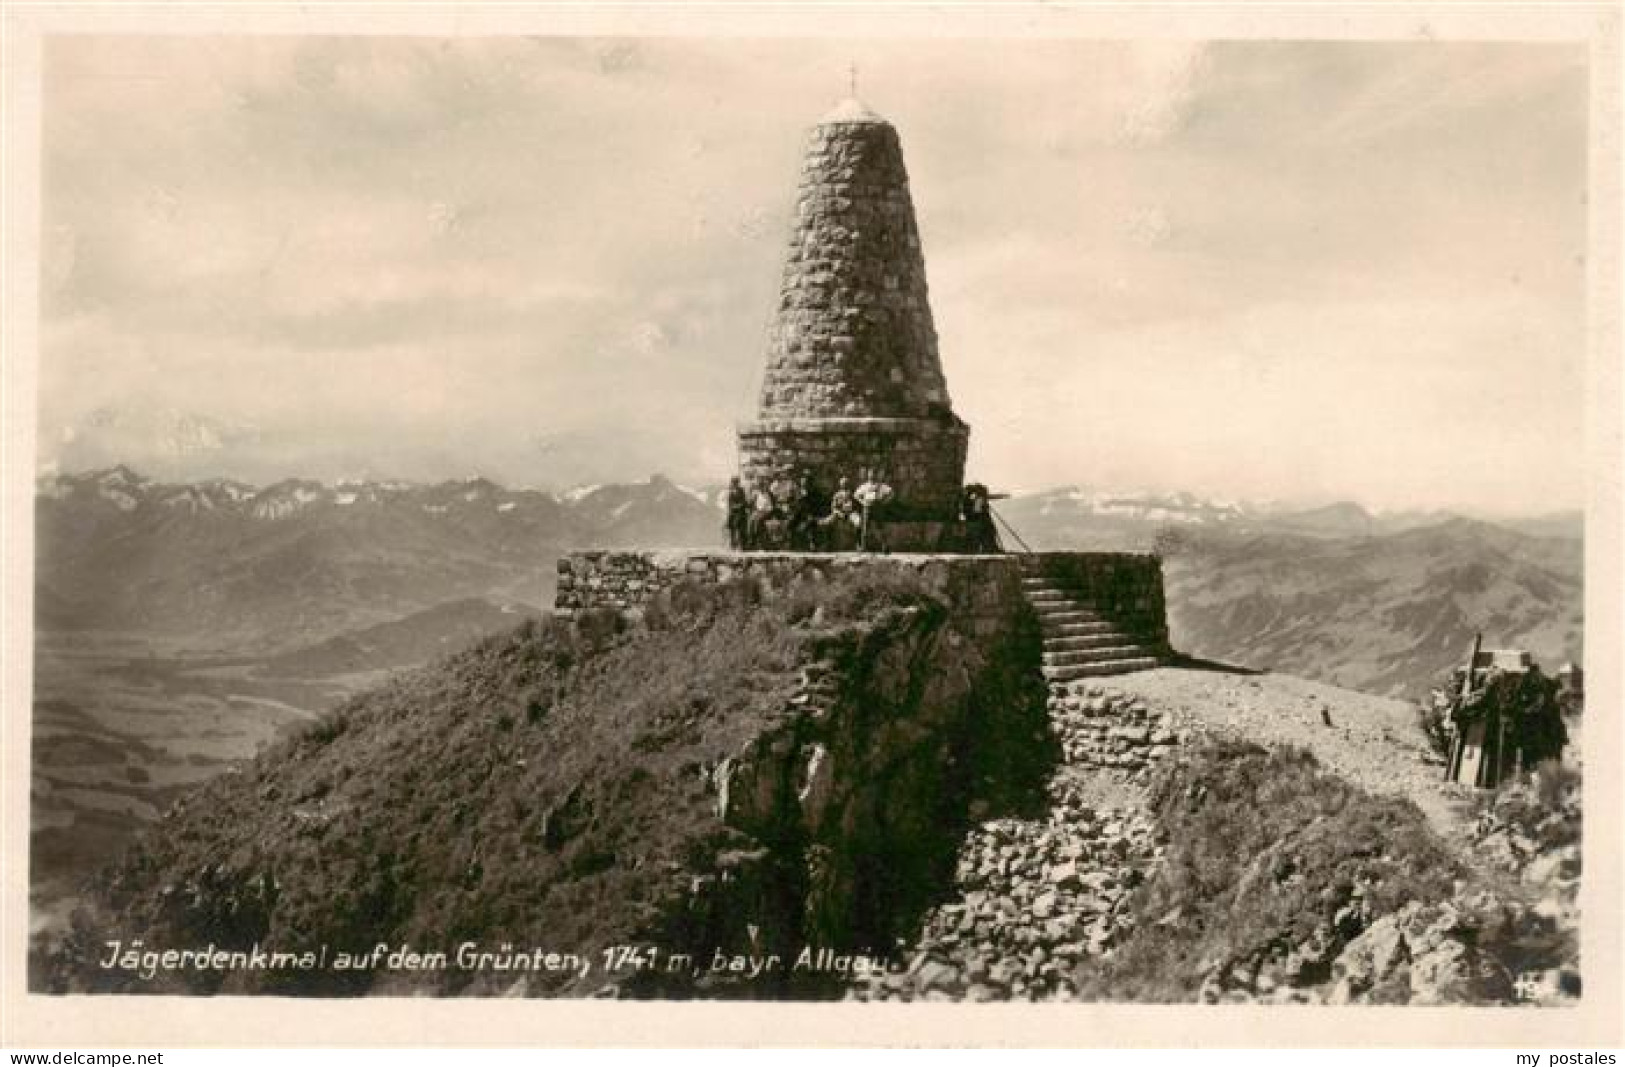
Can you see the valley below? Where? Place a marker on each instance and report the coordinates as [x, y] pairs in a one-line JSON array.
[[126, 723]]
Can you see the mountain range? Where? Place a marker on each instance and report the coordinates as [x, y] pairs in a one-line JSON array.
[[1074, 517], [1386, 614], [383, 573], [281, 566], [1380, 602]]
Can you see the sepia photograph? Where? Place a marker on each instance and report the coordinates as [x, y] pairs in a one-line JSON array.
[[816, 517]]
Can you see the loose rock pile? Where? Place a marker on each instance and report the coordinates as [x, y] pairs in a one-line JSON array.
[[1037, 896], [1101, 728]]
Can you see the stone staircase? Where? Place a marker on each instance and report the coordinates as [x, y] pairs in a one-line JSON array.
[[1080, 641]]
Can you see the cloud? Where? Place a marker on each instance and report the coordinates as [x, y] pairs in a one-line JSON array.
[[422, 256], [1168, 76], [1315, 402]]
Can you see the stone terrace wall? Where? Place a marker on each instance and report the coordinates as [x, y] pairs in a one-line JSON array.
[[982, 586], [1126, 586]]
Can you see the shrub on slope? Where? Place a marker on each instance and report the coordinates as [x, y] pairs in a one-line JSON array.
[[1282, 881], [1267, 855]]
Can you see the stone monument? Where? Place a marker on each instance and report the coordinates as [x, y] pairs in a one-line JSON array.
[[853, 380], [854, 385]]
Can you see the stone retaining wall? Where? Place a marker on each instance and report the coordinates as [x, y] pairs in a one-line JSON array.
[[982, 586], [1127, 586]]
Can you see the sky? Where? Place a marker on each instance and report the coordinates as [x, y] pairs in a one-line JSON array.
[[1291, 271]]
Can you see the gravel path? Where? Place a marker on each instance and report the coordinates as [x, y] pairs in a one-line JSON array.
[[1372, 742]]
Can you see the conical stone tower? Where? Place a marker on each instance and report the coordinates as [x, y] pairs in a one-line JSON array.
[[853, 379]]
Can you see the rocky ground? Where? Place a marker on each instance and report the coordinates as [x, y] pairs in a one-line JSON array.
[[1034, 897], [1038, 894]]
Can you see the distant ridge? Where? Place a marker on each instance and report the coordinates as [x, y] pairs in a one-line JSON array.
[[285, 565], [1368, 600]]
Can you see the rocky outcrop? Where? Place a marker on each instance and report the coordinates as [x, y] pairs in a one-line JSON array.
[[855, 803], [1422, 954]]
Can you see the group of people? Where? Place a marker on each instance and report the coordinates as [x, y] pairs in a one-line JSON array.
[[794, 513]]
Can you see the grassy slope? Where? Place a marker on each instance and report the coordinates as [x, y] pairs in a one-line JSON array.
[[456, 801], [545, 788], [1264, 848], [414, 639]]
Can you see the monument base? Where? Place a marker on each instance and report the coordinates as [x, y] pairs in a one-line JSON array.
[[923, 460]]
